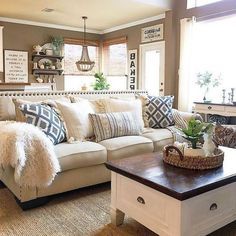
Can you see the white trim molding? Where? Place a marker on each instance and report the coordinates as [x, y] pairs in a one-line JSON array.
[[48, 25], [1, 48], [65, 27], [134, 23]]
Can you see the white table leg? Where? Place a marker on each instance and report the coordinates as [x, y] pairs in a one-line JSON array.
[[117, 217]]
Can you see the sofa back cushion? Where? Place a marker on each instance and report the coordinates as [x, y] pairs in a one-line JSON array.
[[76, 117], [111, 125]]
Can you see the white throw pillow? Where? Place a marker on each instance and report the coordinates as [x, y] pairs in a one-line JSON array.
[[120, 105], [76, 117]]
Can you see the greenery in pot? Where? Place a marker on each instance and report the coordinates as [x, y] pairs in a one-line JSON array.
[[101, 82], [47, 65], [195, 131], [57, 43], [206, 80]]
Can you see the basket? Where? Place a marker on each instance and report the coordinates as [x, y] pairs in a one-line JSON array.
[[173, 156]]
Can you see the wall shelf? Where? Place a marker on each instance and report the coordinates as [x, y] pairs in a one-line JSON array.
[[40, 56], [47, 72]]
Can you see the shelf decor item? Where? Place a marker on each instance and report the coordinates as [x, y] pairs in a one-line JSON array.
[[85, 64], [57, 43], [206, 81], [37, 49]]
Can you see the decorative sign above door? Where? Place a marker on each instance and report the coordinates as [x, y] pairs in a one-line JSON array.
[[152, 33], [16, 66], [132, 69]]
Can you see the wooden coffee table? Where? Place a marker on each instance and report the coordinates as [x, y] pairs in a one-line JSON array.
[[173, 201]]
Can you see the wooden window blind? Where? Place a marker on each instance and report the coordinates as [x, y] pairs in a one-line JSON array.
[[115, 56]]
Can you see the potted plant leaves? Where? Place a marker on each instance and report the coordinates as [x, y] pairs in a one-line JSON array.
[[101, 82], [206, 81], [194, 133], [47, 65], [57, 43]]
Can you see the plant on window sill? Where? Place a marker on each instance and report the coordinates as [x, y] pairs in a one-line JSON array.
[[101, 82]]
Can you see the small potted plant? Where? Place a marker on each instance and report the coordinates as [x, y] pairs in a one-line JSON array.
[[194, 133], [101, 82], [57, 43], [47, 65], [206, 81]]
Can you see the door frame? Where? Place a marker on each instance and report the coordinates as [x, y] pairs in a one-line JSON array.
[[161, 47]]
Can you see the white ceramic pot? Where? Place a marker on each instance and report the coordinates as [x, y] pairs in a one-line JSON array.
[[193, 152]]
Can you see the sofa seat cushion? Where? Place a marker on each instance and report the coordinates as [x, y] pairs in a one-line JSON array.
[[81, 154], [126, 146], [160, 137]]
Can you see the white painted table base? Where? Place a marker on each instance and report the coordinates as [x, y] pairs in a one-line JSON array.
[[167, 216]]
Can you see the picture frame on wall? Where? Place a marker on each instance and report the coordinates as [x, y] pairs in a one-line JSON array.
[[152, 33], [15, 66]]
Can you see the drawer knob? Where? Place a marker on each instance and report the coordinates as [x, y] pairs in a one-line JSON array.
[[141, 200], [209, 108], [213, 207]]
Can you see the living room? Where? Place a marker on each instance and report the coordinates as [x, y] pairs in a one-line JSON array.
[[136, 101]]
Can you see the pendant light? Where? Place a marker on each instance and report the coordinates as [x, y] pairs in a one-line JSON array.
[[85, 64]]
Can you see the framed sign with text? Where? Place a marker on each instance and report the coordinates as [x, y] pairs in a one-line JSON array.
[[152, 33], [16, 66], [132, 69]]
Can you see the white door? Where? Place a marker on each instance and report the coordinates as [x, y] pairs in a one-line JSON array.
[[152, 68]]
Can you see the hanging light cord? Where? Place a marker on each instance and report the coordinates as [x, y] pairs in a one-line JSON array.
[[84, 18]]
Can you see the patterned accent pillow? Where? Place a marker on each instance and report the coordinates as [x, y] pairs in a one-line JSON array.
[[225, 135], [159, 111], [110, 125], [47, 119], [179, 121]]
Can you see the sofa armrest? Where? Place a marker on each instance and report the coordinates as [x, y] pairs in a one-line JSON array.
[[188, 115]]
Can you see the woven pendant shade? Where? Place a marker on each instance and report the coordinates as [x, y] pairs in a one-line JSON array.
[[85, 64]]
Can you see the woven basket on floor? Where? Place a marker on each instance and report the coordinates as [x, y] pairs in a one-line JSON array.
[[173, 156]]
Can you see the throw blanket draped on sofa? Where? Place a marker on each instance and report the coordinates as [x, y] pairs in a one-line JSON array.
[[27, 149]]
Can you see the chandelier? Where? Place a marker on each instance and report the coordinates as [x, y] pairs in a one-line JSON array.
[[85, 64]]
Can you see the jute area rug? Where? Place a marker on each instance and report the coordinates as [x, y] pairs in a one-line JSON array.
[[81, 212]]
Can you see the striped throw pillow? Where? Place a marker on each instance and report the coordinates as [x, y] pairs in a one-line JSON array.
[[116, 124]]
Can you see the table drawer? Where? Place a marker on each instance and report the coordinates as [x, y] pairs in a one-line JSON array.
[[146, 205], [231, 109], [209, 209], [208, 107]]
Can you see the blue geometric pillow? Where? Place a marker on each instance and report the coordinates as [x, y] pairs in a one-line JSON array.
[[47, 119], [159, 111]]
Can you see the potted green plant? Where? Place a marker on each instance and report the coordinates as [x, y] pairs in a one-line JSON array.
[[47, 65], [101, 82], [193, 133], [206, 80], [57, 43]]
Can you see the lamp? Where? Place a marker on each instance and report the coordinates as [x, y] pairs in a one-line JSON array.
[[85, 64]]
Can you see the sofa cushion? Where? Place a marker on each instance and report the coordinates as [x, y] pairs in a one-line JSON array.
[[76, 117], [121, 105], [81, 154], [160, 137], [127, 146], [47, 119], [116, 124]]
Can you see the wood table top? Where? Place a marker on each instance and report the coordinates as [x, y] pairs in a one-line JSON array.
[[179, 183]]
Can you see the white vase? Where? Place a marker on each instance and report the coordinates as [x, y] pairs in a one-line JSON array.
[[208, 146]]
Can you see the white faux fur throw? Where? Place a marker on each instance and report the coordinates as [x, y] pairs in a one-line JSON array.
[[27, 149]]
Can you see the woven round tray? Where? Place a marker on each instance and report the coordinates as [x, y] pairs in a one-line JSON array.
[[173, 156]]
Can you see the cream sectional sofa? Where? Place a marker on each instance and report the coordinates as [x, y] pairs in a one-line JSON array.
[[82, 164]]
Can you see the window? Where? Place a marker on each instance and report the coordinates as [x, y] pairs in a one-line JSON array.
[[75, 79], [215, 51], [115, 62], [198, 3]]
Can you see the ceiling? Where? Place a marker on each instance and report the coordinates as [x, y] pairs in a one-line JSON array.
[[102, 14]]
